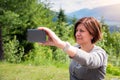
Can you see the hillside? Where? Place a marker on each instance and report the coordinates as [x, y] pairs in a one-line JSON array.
[[110, 13]]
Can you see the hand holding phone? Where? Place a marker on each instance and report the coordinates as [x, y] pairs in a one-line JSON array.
[[36, 35]]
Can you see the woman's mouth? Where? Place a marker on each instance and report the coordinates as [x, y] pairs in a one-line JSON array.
[[78, 38]]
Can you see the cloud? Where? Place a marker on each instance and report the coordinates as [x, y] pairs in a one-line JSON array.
[[73, 5]]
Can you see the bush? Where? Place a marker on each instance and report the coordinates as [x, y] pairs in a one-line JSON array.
[[61, 57], [113, 70], [45, 55], [13, 52], [39, 55]]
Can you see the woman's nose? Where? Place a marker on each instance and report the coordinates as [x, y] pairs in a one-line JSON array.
[[78, 33]]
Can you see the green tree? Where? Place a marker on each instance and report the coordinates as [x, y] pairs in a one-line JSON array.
[[19, 15], [110, 43], [61, 16], [15, 19], [1, 45]]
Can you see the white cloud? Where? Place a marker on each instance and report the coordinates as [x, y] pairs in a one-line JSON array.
[[73, 5]]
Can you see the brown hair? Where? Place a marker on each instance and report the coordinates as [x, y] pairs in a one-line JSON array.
[[92, 26]]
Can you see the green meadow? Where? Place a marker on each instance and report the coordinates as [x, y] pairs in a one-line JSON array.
[[30, 72]]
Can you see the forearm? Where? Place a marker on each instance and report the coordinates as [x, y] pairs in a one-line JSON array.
[[70, 50]]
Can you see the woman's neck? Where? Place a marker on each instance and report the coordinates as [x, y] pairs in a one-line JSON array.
[[87, 47]]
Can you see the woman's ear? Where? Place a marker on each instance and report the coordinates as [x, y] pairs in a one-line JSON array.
[[92, 38]]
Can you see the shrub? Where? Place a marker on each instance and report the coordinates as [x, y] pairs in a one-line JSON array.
[[13, 52], [113, 70], [39, 55]]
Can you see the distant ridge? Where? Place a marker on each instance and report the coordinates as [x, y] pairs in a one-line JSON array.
[[110, 13]]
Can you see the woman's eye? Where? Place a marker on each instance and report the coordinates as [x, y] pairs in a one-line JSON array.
[[81, 30]]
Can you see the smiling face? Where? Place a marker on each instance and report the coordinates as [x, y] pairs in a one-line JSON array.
[[82, 36], [87, 30]]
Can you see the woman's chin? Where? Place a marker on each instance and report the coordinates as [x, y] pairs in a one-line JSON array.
[[79, 42]]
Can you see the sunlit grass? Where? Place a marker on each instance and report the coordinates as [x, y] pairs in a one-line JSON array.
[[27, 72], [111, 77], [30, 72]]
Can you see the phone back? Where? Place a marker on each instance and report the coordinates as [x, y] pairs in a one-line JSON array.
[[35, 35]]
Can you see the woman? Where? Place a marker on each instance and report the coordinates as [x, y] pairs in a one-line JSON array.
[[88, 60]]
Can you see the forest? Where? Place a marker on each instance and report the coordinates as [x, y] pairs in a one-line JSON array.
[[16, 16]]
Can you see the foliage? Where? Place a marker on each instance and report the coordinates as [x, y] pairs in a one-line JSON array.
[[113, 70], [110, 43], [42, 55], [61, 16], [10, 20], [47, 55], [116, 43], [39, 55], [13, 52], [13, 20], [61, 57], [64, 32], [16, 16], [19, 15]]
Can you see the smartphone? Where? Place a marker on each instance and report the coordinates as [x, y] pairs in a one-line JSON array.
[[36, 35]]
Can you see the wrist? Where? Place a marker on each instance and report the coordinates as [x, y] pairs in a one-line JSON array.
[[67, 46], [61, 45]]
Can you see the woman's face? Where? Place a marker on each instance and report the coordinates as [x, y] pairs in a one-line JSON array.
[[82, 35]]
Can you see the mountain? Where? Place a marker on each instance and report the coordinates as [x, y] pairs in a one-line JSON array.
[[114, 28], [111, 14]]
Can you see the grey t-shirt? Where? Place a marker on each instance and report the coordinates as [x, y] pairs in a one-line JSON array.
[[89, 66]]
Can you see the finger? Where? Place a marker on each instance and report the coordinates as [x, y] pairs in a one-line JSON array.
[[41, 28], [45, 43], [49, 33], [45, 29], [42, 44]]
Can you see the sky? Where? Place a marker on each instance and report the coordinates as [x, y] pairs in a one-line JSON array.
[[73, 5]]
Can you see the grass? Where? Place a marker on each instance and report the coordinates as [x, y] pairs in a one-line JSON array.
[[29, 72], [111, 77]]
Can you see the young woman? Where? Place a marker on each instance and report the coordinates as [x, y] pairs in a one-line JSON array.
[[88, 60]]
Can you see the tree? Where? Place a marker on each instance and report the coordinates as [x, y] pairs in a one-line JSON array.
[[18, 16], [61, 16], [15, 19], [1, 45]]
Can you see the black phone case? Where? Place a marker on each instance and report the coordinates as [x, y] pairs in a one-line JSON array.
[[36, 35]]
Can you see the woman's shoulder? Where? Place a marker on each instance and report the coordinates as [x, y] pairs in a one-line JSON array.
[[94, 49], [100, 50]]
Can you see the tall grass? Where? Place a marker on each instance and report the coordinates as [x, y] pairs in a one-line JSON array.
[[28, 72], [10, 71]]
